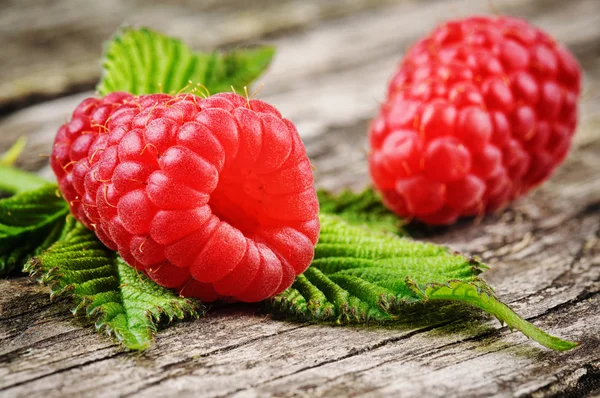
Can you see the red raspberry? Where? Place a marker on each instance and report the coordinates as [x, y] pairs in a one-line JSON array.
[[213, 197], [479, 112]]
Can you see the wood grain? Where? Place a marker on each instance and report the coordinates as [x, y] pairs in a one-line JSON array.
[[53, 47], [330, 73]]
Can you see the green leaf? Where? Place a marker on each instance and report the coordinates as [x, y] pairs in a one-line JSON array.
[[141, 61], [124, 303], [14, 180], [360, 275], [29, 223], [361, 209]]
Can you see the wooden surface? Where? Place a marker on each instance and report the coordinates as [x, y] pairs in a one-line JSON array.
[[334, 58]]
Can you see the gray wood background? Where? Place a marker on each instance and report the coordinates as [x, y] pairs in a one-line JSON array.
[[334, 58]]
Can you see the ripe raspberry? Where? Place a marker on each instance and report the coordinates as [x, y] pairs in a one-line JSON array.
[[213, 197], [479, 112]]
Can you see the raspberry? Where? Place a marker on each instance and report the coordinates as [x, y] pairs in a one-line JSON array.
[[213, 197], [479, 112]]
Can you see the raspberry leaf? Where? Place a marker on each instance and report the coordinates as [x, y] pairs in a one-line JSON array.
[[363, 208], [30, 222], [124, 302], [360, 275], [141, 61], [37, 232]]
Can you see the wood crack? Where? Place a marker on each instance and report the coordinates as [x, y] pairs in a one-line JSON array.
[[352, 353], [580, 382], [36, 309], [65, 369], [183, 364], [579, 255], [585, 295], [8, 356], [478, 337]]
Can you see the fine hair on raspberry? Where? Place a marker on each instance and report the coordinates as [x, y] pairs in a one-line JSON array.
[[211, 196], [478, 113]]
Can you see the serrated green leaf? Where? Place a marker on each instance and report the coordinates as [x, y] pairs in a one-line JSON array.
[[359, 275], [124, 302], [29, 223], [360, 209], [141, 61]]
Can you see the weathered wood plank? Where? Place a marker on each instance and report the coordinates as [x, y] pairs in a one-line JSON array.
[[52, 48], [553, 279], [544, 250], [279, 355], [57, 51]]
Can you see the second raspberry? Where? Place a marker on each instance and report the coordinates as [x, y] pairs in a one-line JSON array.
[[480, 111]]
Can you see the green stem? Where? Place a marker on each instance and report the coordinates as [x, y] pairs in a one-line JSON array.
[[465, 292], [10, 157], [13, 180]]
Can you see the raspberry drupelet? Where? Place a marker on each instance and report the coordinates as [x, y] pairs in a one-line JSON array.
[[211, 196], [479, 112]]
